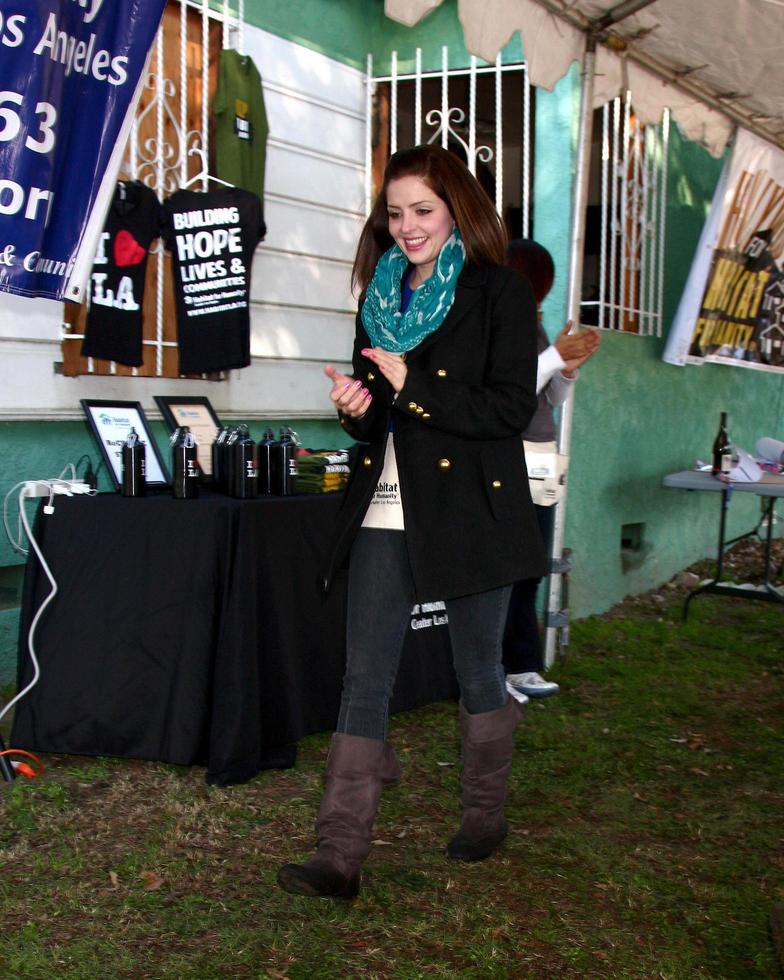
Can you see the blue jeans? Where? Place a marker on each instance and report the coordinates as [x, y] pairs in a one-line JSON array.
[[380, 598]]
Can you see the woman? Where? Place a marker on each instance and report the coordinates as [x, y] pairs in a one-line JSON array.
[[438, 505], [557, 371]]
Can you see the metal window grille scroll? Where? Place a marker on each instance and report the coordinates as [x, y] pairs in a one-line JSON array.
[[627, 292], [170, 136], [479, 111]]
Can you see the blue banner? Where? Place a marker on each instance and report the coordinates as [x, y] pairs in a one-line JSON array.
[[70, 72]]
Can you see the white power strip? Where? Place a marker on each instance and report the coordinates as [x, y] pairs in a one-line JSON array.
[[45, 488]]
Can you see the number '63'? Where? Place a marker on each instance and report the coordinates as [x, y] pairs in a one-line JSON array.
[[11, 123]]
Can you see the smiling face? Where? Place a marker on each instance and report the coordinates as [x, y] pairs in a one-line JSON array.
[[419, 221]]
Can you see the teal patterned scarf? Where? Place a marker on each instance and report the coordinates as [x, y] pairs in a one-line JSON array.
[[398, 332]]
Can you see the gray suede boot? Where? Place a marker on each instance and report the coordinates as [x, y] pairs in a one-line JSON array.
[[357, 767], [487, 760]]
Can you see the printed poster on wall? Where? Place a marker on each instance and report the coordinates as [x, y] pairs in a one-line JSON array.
[[732, 308], [70, 76]]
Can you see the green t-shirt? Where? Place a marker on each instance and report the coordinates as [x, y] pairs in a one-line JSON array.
[[240, 123]]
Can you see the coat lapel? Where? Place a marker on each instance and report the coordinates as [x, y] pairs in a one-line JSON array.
[[467, 294]]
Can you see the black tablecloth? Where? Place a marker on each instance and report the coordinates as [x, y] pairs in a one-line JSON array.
[[194, 632]]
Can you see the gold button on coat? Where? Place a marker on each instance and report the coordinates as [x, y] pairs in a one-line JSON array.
[[496, 484], [367, 461], [371, 376], [412, 406], [426, 415], [444, 464], [419, 410], [441, 373]]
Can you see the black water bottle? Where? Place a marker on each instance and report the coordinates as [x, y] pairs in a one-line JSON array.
[[264, 454], [232, 434], [184, 465], [722, 450], [246, 476], [134, 466], [284, 468], [217, 459]]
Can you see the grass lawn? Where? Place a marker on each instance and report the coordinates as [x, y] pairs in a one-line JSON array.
[[647, 836]]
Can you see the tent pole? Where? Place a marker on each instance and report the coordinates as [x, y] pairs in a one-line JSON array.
[[557, 618]]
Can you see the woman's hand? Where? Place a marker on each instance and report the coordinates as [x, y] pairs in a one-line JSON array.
[[576, 348], [349, 396], [392, 366]]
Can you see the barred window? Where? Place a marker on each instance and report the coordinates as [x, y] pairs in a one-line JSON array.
[[623, 268]]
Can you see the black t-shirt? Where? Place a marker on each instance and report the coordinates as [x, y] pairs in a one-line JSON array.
[[212, 237], [114, 319]]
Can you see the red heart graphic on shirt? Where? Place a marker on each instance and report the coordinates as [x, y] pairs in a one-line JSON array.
[[127, 251]]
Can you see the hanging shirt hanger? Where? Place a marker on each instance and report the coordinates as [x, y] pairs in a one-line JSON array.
[[204, 173]]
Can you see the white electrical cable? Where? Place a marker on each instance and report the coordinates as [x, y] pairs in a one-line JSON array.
[[41, 608], [16, 543]]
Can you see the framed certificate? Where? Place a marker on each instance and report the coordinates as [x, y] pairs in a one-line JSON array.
[[110, 423], [199, 416]]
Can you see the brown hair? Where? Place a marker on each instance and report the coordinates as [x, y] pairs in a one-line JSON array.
[[534, 262], [447, 176]]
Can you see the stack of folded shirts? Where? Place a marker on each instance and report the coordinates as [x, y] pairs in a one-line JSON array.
[[322, 472]]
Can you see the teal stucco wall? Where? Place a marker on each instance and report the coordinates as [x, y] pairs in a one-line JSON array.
[[349, 30], [637, 419]]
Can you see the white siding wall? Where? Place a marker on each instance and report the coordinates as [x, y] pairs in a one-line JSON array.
[[302, 312]]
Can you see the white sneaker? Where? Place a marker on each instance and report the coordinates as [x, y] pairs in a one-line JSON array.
[[532, 685], [516, 694]]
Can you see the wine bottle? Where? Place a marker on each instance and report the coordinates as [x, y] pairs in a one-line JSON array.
[[722, 451]]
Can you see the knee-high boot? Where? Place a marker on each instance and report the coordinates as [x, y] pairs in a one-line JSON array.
[[357, 768], [487, 759]]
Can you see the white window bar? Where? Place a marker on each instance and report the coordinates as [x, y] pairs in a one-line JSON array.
[[370, 88], [444, 94], [205, 78], [665, 143], [393, 107], [184, 85], [635, 191], [614, 230], [418, 98], [472, 117], [133, 161], [526, 127], [499, 137], [624, 210], [159, 190], [603, 208], [651, 144]]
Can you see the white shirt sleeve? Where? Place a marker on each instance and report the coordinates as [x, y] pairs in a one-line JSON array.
[[557, 390], [549, 362]]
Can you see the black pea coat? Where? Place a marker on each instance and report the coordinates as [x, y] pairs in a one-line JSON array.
[[470, 392]]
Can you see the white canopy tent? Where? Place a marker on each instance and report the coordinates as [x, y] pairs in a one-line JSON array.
[[715, 64]]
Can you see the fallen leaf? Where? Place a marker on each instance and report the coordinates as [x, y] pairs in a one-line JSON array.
[[152, 880], [115, 879]]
